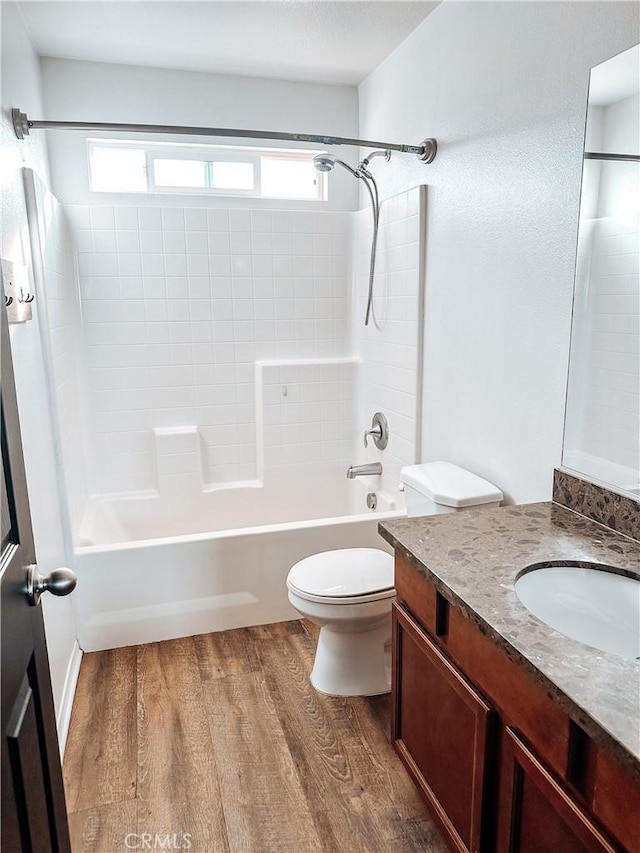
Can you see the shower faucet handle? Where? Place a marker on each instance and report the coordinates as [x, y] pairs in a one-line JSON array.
[[375, 432], [379, 431]]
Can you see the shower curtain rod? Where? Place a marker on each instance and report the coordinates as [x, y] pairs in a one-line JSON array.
[[624, 158], [22, 125]]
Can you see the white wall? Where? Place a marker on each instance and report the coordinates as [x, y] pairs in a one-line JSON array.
[[21, 87], [92, 91], [503, 87]]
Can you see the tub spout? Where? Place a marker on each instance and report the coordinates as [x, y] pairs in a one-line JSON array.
[[354, 471]]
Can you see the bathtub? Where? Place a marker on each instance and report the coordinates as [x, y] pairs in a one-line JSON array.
[[152, 568]]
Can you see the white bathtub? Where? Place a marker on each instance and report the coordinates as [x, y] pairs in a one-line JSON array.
[[149, 569]]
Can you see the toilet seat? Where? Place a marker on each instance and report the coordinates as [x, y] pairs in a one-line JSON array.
[[345, 576]]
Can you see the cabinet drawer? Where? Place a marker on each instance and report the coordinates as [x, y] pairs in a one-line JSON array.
[[441, 728], [416, 594]]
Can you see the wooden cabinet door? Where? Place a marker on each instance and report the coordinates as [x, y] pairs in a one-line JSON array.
[[441, 729], [536, 814]]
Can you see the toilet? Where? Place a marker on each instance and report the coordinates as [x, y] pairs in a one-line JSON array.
[[348, 592]]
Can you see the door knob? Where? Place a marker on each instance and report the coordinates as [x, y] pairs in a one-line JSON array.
[[58, 582]]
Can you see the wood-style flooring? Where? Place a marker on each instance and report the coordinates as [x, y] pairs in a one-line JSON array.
[[219, 744]]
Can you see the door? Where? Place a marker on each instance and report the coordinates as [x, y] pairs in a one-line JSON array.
[[441, 728], [34, 816]]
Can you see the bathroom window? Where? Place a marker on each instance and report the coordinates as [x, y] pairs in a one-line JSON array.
[[224, 170], [117, 170]]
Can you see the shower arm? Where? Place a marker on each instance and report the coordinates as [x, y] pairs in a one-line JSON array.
[[23, 125]]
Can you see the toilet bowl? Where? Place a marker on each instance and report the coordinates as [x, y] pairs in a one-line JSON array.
[[348, 592]]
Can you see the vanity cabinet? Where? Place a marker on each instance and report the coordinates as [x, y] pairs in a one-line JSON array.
[[448, 757], [500, 763]]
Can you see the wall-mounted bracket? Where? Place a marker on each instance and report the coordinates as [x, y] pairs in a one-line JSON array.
[[20, 123], [430, 147]]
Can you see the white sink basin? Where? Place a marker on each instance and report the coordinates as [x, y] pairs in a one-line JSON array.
[[595, 607]]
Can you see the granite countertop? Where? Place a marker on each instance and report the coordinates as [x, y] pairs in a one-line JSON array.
[[474, 557]]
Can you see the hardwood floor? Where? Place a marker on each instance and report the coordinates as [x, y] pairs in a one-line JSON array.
[[219, 744]]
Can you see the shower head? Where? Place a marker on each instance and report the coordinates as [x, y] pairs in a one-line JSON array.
[[326, 162]]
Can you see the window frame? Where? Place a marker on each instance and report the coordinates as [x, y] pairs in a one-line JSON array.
[[210, 154]]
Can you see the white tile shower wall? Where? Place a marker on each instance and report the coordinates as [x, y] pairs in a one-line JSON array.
[[389, 347], [61, 327], [178, 304], [307, 412], [179, 460]]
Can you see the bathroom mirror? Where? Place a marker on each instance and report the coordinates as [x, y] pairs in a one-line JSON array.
[[602, 429]]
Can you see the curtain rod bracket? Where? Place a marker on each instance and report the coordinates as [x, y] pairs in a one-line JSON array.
[[429, 150], [21, 123]]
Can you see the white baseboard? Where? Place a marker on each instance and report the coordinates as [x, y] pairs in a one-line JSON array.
[[68, 692]]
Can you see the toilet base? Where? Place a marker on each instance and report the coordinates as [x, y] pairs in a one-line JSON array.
[[349, 663]]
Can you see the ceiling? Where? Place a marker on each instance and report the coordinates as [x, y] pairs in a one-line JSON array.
[[616, 78], [325, 41]]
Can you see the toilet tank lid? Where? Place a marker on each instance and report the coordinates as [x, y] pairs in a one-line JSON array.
[[449, 485]]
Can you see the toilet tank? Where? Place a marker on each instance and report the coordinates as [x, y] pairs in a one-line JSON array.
[[438, 487]]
